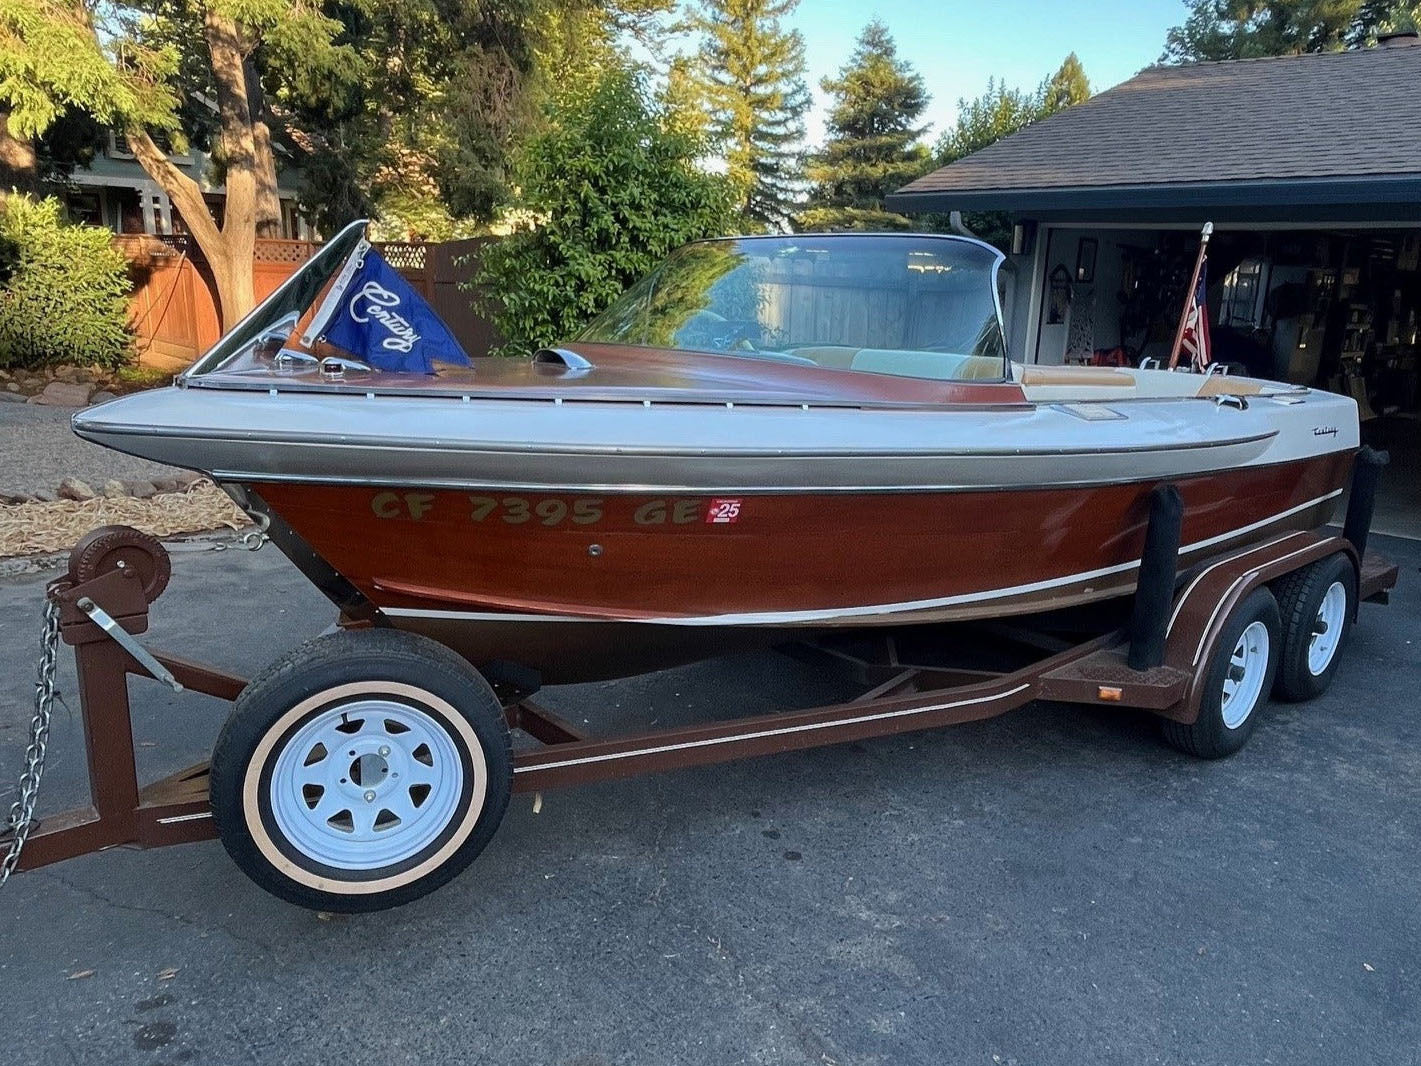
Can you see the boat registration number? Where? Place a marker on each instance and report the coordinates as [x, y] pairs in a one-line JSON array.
[[552, 510]]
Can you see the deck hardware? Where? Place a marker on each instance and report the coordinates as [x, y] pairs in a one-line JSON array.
[[1230, 400], [253, 539], [104, 621]]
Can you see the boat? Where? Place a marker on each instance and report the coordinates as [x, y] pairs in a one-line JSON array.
[[768, 437]]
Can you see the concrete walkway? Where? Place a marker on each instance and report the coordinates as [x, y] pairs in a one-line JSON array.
[[1054, 886], [38, 451]]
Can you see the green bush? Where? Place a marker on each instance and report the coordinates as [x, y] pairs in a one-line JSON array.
[[613, 187], [63, 289]]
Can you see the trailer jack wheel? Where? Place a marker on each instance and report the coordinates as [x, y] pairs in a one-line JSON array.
[[361, 771], [1238, 677], [1318, 604]]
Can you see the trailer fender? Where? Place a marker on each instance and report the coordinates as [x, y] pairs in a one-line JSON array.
[[1205, 603]]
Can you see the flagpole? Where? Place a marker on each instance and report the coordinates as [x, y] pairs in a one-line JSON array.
[[1204, 235], [323, 314]]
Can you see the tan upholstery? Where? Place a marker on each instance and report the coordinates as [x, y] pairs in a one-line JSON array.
[[1223, 385], [1076, 375], [836, 356]]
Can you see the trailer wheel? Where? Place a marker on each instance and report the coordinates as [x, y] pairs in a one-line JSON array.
[[361, 771], [1237, 680], [1318, 604]]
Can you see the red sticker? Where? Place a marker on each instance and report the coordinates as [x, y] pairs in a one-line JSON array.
[[723, 512]]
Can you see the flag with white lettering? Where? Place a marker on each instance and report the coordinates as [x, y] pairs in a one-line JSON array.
[[379, 319]]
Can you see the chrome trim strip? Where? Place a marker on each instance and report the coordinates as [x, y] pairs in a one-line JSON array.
[[413, 444], [174, 819], [835, 614], [648, 489], [1228, 594]]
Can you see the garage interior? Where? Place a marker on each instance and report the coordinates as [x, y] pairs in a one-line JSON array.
[[1336, 309]]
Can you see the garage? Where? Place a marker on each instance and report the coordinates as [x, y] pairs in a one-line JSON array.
[[1309, 168]]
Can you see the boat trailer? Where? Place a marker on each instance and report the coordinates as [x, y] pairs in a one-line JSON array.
[[1161, 661]]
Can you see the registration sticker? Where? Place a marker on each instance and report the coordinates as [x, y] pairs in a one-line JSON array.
[[722, 512]]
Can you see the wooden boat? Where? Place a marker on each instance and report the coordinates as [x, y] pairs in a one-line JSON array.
[[768, 436]]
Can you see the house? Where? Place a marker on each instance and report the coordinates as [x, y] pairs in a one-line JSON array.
[[1310, 169], [115, 191]]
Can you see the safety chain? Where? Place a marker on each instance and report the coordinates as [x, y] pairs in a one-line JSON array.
[[22, 811]]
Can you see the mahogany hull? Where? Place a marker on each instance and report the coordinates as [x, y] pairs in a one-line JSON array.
[[609, 584]]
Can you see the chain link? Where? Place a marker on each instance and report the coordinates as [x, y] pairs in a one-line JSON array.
[[22, 811]]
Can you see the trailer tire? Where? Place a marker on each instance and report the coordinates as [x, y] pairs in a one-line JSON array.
[[1237, 680], [1318, 604], [361, 771]]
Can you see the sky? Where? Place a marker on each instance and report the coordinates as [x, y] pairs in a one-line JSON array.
[[956, 46]]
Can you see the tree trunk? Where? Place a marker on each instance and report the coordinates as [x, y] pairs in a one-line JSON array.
[[19, 169], [228, 248], [268, 204]]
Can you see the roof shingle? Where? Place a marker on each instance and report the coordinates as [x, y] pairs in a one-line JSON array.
[[1336, 114]]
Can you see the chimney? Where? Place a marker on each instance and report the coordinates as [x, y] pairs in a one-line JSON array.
[[1399, 39]]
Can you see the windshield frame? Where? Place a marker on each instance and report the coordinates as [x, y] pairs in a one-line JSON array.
[[998, 258]]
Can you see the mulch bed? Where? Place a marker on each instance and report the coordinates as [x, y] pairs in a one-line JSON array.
[[39, 527]]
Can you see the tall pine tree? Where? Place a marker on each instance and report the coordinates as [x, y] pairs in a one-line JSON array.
[[751, 75], [873, 146]]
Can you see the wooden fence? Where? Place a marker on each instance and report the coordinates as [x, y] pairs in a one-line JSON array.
[[174, 305]]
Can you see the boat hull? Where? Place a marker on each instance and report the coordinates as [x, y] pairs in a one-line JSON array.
[[586, 585]]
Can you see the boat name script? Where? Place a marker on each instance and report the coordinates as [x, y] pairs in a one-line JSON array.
[[403, 337], [1324, 431], [552, 510]]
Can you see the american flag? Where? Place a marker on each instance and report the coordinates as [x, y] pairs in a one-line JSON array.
[[1195, 340]]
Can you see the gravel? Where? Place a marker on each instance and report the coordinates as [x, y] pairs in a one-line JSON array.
[[38, 451]]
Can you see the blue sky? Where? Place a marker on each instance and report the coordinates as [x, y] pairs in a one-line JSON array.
[[957, 46]]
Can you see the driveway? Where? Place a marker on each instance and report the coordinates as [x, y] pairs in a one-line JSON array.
[[1054, 886], [38, 451]]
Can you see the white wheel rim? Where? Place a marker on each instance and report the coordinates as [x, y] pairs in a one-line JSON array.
[[1327, 628], [1243, 679], [366, 784]]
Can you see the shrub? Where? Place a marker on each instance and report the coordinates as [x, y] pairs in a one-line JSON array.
[[614, 187], [63, 289]]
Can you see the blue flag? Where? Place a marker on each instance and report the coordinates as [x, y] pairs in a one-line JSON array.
[[381, 320]]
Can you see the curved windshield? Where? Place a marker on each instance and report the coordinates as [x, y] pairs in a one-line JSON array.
[[914, 306]]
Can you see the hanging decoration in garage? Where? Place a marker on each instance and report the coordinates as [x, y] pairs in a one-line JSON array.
[[1060, 296]]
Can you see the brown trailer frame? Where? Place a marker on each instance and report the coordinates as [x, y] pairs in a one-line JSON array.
[[898, 698]]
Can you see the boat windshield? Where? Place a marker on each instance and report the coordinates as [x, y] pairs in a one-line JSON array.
[[914, 306]]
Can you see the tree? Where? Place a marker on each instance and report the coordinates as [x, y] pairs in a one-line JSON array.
[[1067, 86], [1249, 29], [1000, 112], [751, 76], [172, 71], [873, 146], [614, 188], [420, 141]]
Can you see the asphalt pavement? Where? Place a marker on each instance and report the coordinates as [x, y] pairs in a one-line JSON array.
[[1054, 886]]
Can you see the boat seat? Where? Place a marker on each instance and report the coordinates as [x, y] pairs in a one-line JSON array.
[[937, 366], [835, 356], [903, 362]]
